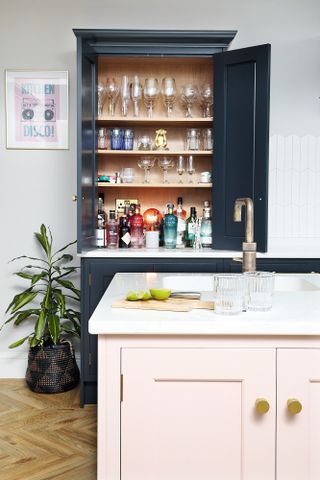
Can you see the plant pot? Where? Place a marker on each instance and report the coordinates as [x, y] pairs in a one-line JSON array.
[[52, 369]]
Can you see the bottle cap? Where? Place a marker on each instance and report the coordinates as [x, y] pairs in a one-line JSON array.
[[112, 215], [193, 210], [180, 200], [170, 205]]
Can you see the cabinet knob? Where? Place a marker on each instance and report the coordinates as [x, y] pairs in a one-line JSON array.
[[262, 406], [294, 406], [74, 198]]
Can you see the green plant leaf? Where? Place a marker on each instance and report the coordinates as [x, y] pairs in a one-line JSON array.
[[30, 258], [34, 341], [18, 343], [28, 276], [25, 314], [64, 258], [63, 248], [69, 286], [74, 322], [40, 325], [54, 327], [67, 328], [37, 277], [47, 298], [23, 299], [62, 303]]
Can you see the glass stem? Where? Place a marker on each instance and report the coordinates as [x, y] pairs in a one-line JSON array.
[[165, 176], [136, 109], [145, 175]]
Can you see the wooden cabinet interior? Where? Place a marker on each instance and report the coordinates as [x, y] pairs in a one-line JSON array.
[[195, 70]]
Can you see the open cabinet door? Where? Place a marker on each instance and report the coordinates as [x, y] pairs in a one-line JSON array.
[[86, 153], [241, 136]]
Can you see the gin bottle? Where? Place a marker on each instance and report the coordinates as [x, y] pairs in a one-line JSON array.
[[191, 227], [112, 230], [136, 229], [170, 228], [181, 226], [206, 227]]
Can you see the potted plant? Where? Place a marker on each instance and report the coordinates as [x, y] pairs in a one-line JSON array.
[[50, 303]]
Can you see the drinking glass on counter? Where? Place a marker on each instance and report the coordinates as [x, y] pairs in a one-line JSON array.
[[146, 163], [112, 92], [169, 93], [206, 94], [150, 94], [259, 290], [165, 163], [180, 168], [189, 95], [228, 293], [136, 94]]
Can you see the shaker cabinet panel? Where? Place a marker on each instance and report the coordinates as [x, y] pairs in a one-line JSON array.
[[190, 413], [241, 136]]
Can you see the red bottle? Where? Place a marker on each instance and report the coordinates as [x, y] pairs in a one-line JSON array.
[[136, 229]]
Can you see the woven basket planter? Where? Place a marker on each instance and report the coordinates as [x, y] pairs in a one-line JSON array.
[[52, 369]]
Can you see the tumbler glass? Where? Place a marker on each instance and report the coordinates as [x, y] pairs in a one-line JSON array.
[[116, 138], [228, 294], [259, 291], [128, 138]]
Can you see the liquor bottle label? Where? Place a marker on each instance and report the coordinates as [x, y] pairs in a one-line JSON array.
[[192, 227], [100, 237], [126, 238]]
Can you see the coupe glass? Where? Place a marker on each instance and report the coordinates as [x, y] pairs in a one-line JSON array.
[[190, 168], [101, 97], [189, 95], [112, 91], [206, 94], [150, 94], [165, 163], [136, 94], [146, 163], [125, 95], [180, 168], [169, 93]]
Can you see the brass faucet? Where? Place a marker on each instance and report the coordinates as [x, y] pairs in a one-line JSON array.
[[249, 247]]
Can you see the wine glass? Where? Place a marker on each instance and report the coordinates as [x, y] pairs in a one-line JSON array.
[[136, 94], [180, 168], [165, 163], [150, 94], [112, 91], [189, 95], [146, 163], [190, 168], [169, 92], [206, 94], [101, 97], [125, 95]]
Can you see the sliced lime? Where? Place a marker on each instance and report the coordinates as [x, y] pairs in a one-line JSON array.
[[133, 296], [160, 293]]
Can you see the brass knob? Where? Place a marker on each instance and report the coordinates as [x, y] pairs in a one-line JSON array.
[[262, 406], [74, 198], [294, 406]]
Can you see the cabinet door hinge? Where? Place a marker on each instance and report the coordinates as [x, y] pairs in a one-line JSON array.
[[121, 388], [90, 279], [90, 359]]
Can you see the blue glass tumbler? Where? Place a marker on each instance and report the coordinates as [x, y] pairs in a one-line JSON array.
[[116, 138], [128, 139]]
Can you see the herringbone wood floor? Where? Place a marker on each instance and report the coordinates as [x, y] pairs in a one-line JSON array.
[[45, 437]]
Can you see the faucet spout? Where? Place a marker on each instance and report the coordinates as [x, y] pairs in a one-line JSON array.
[[248, 246]]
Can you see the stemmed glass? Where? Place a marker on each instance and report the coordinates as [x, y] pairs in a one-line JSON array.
[[136, 94], [169, 92], [180, 168], [189, 95], [146, 163], [165, 163], [112, 91], [150, 93], [101, 97], [206, 94], [125, 95], [190, 168]]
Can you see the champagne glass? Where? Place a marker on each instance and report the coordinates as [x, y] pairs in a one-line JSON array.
[[112, 91], [150, 94], [189, 95], [190, 168], [180, 168], [206, 94], [101, 97], [146, 163], [165, 163], [125, 95], [169, 92], [136, 94]]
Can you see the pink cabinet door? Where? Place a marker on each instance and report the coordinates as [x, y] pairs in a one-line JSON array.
[[189, 414], [298, 434]]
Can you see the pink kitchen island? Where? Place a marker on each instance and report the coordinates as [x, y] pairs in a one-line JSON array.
[[199, 396]]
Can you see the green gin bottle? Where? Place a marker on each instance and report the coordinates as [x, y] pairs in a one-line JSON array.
[[170, 228], [191, 225]]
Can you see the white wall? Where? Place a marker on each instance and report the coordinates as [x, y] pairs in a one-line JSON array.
[[36, 186]]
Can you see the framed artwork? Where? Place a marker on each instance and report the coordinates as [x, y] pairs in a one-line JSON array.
[[37, 109]]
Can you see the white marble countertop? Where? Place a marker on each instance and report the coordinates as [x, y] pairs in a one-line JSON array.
[[293, 313]]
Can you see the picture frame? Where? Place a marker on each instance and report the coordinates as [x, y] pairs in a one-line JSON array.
[[37, 109]]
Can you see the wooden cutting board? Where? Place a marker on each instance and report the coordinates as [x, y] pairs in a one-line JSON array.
[[172, 304]]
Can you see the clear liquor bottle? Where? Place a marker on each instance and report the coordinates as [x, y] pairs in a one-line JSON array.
[[136, 229], [206, 227], [181, 226], [170, 228], [113, 231], [180, 206]]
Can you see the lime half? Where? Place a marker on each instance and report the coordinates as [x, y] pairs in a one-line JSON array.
[[160, 293], [133, 295]]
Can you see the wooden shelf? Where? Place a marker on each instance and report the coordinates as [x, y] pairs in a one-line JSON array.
[[154, 185], [174, 122], [157, 153]]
